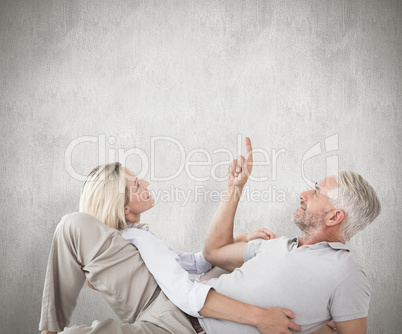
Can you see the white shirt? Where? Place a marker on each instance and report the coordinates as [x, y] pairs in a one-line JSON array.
[[170, 268]]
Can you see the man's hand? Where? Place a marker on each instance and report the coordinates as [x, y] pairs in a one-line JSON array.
[[277, 321], [261, 233], [240, 169]]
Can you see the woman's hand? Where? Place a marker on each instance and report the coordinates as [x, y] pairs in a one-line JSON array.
[[277, 321], [262, 233]]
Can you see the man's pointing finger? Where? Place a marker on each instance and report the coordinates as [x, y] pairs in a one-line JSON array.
[[249, 156]]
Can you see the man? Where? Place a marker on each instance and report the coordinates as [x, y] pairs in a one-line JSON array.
[[313, 275]]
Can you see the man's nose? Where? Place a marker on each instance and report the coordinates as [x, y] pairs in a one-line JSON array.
[[145, 184], [304, 196]]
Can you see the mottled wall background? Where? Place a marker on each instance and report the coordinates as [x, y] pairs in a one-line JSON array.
[[289, 74]]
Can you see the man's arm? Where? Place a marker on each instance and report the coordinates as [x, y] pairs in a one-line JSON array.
[[219, 246], [195, 263], [356, 326], [327, 329], [221, 249]]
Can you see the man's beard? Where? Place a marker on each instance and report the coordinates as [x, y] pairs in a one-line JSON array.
[[309, 222]]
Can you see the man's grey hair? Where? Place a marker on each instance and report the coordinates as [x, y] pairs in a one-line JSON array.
[[357, 199]]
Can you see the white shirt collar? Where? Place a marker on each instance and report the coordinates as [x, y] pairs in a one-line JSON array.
[[144, 227]]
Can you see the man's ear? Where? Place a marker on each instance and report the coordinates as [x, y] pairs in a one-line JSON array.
[[335, 217], [126, 211]]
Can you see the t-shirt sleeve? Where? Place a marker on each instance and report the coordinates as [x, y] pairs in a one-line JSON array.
[[251, 249], [350, 300]]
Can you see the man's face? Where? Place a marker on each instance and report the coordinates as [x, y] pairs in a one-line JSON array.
[[315, 205], [140, 200]]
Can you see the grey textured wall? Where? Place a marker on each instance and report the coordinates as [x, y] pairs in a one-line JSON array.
[[289, 74]]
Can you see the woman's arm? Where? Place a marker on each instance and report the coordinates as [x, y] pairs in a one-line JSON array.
[[195, 298], [160, 260], [271, 320]]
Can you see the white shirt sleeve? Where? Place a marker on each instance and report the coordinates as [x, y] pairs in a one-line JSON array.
[[193, 263], [161, 261]]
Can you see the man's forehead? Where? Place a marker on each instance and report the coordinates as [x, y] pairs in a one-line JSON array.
[[328, 182]]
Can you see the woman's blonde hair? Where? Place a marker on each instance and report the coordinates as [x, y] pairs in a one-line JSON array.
[[104, 195]]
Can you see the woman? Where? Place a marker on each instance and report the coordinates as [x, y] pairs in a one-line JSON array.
[[88, 245]]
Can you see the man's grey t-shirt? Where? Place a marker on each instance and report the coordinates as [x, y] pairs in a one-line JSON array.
[[316, 282]]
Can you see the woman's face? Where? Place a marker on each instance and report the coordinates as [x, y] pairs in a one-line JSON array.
[[140, 200]]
